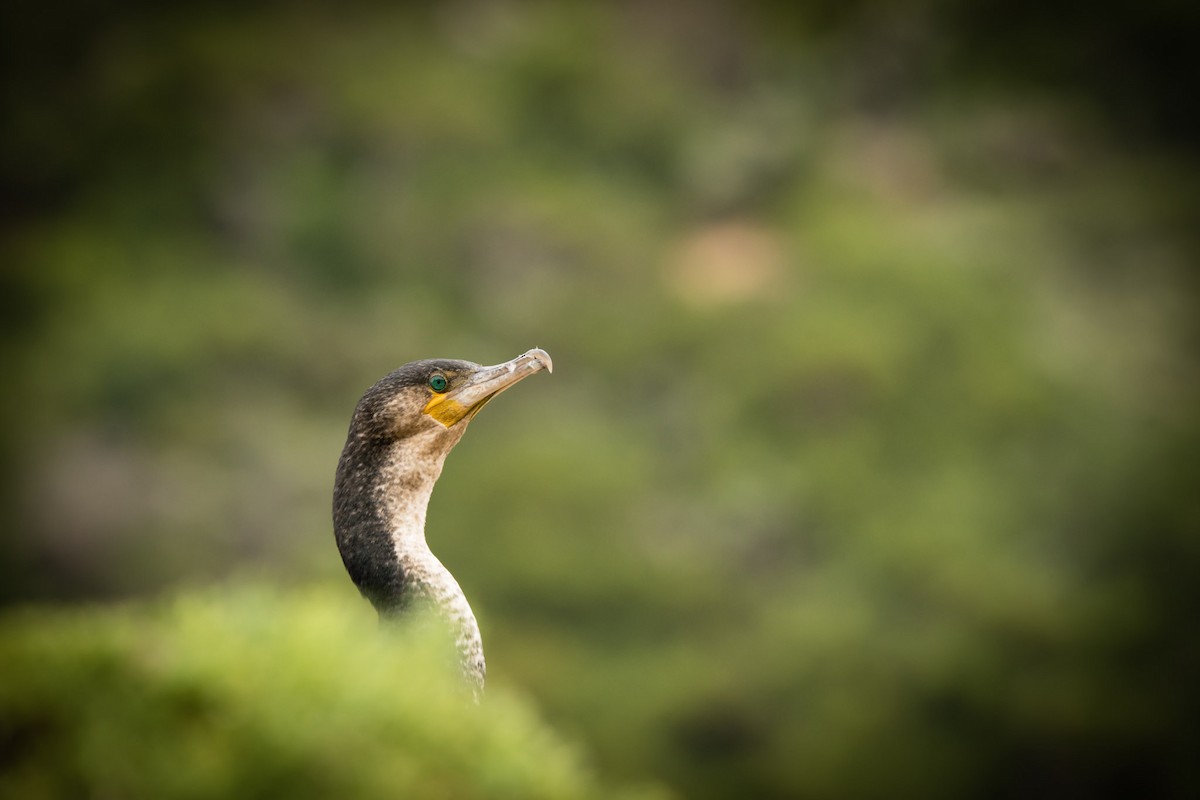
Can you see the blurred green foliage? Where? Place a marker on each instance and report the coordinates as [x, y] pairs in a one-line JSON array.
[[868, 466], [249, 693]]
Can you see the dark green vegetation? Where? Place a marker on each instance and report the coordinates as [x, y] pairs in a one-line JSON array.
[[255, 694], [868, 466]]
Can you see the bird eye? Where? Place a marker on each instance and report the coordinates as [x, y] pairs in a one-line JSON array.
[[438, 383]]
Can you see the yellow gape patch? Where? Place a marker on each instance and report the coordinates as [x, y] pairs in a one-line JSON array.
[[445, 410]]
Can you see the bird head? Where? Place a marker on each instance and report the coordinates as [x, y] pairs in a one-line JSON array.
[[432, 401]]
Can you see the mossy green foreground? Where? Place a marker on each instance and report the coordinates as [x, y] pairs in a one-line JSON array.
[[248, 692]]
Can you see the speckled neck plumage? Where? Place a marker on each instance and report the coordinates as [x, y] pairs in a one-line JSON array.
[[380, 502]]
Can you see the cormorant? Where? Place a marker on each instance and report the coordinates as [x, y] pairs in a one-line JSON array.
[[400, 434]]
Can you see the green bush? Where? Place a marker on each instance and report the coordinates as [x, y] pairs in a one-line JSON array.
[[252, 693]]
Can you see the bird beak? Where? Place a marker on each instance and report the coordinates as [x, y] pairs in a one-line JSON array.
[[465, 400]]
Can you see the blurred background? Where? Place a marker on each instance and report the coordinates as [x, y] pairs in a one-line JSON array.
[[869, 463]]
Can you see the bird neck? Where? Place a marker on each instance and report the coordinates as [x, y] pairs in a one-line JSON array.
[[404, 495], [403, 498]]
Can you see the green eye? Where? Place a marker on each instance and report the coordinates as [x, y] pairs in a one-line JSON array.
[[438, 383]]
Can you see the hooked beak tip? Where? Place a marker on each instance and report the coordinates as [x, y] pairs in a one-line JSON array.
[[542, 357]]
